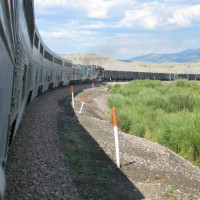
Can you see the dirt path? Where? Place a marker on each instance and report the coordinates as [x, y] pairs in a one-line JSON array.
[[148, 170]]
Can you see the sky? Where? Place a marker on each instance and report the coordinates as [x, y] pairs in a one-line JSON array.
[[120, 29]]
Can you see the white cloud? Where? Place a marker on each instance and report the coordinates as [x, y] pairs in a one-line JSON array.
[[184, 16], [94, 8], [101, 8], [98, 26], [144, 17], [54, 34], [155, 15], [95, 25], [73, 34], [51, 3]]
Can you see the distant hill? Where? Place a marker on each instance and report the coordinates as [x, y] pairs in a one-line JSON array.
[[189, 55], [113, 64]]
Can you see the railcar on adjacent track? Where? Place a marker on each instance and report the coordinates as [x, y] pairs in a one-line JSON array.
[[129, 75]]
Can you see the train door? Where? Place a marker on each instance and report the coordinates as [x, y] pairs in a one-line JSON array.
[[29, 85], [24, 82]]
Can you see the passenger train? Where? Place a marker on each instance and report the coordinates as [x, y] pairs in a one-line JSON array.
[[27, 69]]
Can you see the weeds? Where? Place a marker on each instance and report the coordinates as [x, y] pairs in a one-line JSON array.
[[168, 114]]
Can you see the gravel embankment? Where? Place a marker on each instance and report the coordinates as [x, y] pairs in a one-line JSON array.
[[93, 172], [156, 171], [36, 167]]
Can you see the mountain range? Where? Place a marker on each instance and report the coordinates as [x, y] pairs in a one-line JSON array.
[[189, 55], [116, 65]]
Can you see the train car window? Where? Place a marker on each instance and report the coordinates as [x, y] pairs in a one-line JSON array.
[[67, 64], [36, 41], [29, 16], [41, 49], [48, 56], [58, 61]]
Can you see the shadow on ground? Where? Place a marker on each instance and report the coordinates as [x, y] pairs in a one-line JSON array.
[[93, 172]]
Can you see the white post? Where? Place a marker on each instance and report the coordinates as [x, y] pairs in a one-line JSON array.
[[114, 117], [72, 91], [81, 107], [72, 99], [84, 100], [116, 146]]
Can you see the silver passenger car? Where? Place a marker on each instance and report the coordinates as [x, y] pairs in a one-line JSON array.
[[27, 68]]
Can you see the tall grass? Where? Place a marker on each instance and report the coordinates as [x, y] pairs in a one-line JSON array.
[[168, 114]]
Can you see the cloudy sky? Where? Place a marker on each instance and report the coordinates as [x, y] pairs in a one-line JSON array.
[[119, 28]]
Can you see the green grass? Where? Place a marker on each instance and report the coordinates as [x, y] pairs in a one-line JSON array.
[[103, 175], [168, 114]]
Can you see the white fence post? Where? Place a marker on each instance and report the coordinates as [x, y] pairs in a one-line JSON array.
[[114, 118], [84, 100], [72, 91]]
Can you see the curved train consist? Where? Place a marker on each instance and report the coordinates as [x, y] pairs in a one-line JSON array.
[[27, 68]]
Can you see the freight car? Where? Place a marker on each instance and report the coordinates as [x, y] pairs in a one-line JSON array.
[[128, 75]]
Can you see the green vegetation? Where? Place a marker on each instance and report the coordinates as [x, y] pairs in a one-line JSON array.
[[100, 174], [169, 189], [168, 114]]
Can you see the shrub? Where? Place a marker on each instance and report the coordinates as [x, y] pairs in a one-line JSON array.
[[182, 83]]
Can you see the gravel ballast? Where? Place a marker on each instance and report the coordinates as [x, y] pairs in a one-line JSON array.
[[36, 167], [156, 171]]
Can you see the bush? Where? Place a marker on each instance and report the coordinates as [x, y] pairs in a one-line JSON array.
[[182, 83]]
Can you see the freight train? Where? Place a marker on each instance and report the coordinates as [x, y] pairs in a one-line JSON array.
[[128, 76], [27, 69]]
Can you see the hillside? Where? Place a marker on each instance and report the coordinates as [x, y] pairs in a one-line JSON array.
[[112, 64], [189, 55]]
